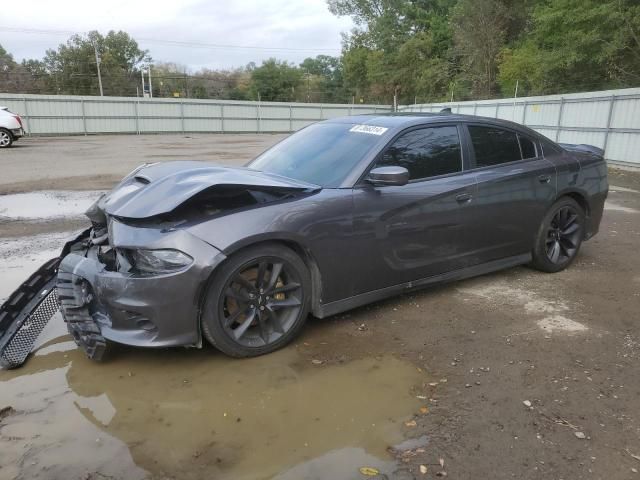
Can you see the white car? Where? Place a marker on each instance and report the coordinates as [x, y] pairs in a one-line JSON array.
[[11, 128]]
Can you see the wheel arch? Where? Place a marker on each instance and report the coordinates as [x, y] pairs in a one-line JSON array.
[[298, 247], [579, 197]]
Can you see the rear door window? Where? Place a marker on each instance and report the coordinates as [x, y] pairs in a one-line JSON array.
[[493, 145], [425, 152]]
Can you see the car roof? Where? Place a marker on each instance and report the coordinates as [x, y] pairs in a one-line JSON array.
[[402, 120]]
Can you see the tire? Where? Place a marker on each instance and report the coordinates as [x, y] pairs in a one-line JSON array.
[[241, 320], [559, 237], [6, 139]]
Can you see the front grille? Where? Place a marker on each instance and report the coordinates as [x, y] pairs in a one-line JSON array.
[[19, 347], [25, 313]]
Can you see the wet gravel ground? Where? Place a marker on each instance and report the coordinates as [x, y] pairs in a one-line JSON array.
[[517, 374]]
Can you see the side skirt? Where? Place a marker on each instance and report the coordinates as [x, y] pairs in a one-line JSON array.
[[339, 306]]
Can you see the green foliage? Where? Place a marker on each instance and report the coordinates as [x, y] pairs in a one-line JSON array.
[[576, 45], [424, 50], [274, 81], [72, 67], [432, 49]]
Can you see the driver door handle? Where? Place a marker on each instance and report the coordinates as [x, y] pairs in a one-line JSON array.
[[544, 178], [463, 198]]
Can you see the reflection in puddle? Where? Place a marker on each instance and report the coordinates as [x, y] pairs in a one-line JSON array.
[[191, 414], [46, 204], [20, 257]]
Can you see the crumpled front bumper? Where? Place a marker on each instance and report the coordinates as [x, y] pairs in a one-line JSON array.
[[149, 311]]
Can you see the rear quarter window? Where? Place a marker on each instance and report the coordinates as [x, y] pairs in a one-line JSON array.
[[549, 148], [528, 147]]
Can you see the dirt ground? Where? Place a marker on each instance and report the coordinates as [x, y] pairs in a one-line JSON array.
[[517, 374]]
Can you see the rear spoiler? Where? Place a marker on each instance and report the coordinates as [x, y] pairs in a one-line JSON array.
[[584, 148]]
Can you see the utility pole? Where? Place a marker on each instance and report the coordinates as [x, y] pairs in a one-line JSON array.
[[142, 76], [95, 49]]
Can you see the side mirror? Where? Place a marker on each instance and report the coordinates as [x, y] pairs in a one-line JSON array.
[[389, 176]]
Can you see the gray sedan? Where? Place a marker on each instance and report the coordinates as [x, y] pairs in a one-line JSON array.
[[340, 214]]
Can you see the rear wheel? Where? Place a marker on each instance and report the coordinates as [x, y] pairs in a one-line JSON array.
[[257, 302], [559, 237], [6, 139]]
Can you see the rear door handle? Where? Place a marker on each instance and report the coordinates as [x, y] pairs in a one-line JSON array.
[[544, 178], [463, 198]]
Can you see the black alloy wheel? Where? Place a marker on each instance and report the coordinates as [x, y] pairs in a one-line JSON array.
[[559, 237], [261, 302], [257, 302], [563, 235]]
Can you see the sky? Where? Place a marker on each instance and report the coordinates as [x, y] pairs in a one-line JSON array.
[[286, 29]]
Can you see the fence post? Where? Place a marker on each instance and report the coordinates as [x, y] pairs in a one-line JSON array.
[[84, 117], [497, 108], [27, 121], [137, 108], [182, 116], [322, 111], [559, 118], [524, 112], [475, 108], [222, 117], [258, 115], [290, 119], [609, 117]]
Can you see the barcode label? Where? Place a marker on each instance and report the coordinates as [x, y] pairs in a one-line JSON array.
[[370, 129]]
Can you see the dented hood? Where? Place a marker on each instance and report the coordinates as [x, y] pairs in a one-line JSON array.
[[161, 187]]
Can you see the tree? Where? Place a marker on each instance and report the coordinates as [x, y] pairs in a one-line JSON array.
[[398, 46], [324, 79], [275, 80], [480, 29], [576, 45], [72, 67]]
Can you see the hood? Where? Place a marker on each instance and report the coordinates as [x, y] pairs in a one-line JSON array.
[[159, 188]]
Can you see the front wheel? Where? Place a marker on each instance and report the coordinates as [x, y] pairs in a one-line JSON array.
[[559, 236], [257, 302], [6, 139]]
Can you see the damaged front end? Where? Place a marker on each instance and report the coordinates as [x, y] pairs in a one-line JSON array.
[[27, 311], [136, 276]]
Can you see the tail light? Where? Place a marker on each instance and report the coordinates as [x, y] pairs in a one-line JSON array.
[[17, 117]]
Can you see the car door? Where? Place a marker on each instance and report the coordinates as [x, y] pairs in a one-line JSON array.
[[409, 232], [516, 185]]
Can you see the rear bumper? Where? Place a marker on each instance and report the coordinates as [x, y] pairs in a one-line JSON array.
[[17, 133], [157, 311]]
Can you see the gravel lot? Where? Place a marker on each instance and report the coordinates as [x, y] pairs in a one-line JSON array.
[[516, 374]]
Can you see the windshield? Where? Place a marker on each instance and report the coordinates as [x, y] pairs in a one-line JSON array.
[[322, 154]]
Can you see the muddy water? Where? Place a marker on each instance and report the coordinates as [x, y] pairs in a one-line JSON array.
[[185, 414], [191, 414], [20, 257], [46, 204]]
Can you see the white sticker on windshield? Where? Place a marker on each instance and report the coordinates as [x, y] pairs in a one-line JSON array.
[[370, 129]]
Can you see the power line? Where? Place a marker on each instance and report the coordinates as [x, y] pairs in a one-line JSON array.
[[175, 43]]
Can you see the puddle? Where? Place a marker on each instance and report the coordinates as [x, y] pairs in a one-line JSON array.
[[196, 414], [20, 257], [615, 189], [558, 322], [619, 208], [551, 311], [46, 204]]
